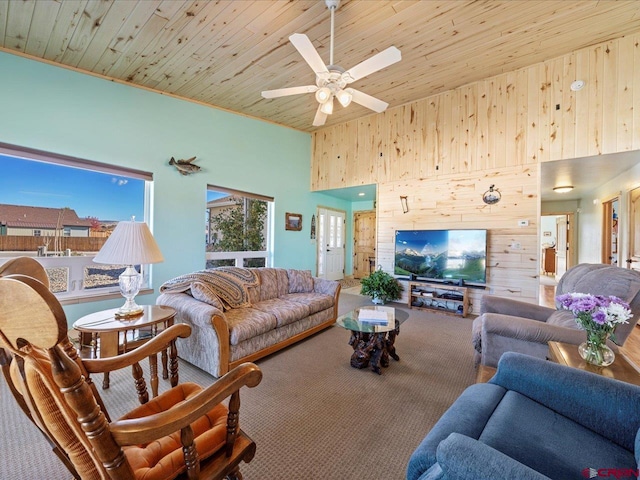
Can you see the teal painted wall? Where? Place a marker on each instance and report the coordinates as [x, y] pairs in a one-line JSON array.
[[63, 111]]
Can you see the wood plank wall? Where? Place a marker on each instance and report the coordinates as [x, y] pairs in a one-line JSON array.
[[444, 151]]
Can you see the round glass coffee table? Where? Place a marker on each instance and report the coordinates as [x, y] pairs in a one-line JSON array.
[[373, 335]]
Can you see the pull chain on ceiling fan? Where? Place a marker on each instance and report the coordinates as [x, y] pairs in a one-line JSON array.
[[332, 80]]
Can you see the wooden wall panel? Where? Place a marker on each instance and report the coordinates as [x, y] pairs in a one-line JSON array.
[[582, 103], [444, 151], [517, 118], [593, 135], [624, 96], [635, 59], [455, 201]]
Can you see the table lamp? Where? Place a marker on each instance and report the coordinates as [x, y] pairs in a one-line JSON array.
[[131, 243]]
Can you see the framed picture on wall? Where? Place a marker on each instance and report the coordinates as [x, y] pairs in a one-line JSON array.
[[293, 221]]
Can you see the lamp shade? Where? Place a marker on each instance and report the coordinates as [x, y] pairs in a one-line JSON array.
[[131, 243]]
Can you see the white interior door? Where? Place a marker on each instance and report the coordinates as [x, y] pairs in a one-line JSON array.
[[561, 245], [331, 247]]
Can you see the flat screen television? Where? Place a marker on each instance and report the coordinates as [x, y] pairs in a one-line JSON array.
[[455, 256]]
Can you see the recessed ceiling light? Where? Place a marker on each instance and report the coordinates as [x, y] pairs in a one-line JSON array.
[[563, 189], [361, 194]]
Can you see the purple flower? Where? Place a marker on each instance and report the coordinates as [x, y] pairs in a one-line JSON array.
[[584, 304], [596, 313], [599, 317], [566, 300]]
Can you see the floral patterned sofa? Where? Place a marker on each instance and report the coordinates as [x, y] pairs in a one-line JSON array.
[[243, 314]]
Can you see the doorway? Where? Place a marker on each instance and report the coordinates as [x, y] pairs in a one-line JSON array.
[[610, 211], [557, 242], [364, 243], [331, 246]]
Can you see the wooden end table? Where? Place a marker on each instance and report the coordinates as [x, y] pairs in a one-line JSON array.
[[102, 335], [484, 373], [620, 369]]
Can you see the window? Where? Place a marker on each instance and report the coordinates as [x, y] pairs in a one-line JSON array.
[[61, 210], [238, 228]]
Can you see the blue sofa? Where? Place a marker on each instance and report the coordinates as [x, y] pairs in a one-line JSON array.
[[534, 419]]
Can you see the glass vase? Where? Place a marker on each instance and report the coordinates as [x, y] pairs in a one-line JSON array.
[[596, 352]]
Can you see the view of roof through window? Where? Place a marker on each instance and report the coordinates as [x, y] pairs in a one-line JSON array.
[[55, 211]]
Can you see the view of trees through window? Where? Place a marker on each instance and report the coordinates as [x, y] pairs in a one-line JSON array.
[[236, 223]]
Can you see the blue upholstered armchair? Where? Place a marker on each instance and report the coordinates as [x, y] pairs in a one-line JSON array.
[[535, 419]]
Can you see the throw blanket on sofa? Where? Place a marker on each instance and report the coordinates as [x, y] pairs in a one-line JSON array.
[[228, 283]]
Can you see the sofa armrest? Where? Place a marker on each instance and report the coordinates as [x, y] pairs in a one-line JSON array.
[[210, 320], [529, 330], [461, 457], [328, 287], [609, 407], [499, 333], [516, 308]]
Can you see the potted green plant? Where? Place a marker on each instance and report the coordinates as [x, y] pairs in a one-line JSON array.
[[381, 287]]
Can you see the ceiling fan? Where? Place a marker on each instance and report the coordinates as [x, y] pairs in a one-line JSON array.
[[332, 80]]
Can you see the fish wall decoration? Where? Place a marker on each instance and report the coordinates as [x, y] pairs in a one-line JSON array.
[[185, 167]]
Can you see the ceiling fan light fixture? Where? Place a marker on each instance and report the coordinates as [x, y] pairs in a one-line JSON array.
[[327, 107], [563, 189], [332, 79], [344, 97], [323, 95]]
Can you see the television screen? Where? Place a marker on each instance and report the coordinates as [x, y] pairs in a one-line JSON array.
[[446, 255]]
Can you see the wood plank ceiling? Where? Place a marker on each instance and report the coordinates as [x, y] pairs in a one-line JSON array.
[[224, 53]]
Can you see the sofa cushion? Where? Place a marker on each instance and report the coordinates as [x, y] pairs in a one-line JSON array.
[[268, 283], [245, 323], [283, 281], [285, 311], [300, 281], [563, 318], [549, 442], [204, 293], [315, 301], [254, 294]]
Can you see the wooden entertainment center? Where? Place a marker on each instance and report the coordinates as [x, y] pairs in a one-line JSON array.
[[450, 299]]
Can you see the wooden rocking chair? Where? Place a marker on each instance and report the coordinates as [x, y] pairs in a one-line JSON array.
[[185, 432]]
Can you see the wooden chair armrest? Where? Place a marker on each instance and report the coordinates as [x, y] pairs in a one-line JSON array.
[[153, 346], [144, 430]]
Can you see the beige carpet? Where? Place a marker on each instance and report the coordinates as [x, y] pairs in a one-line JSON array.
[[313, 416]]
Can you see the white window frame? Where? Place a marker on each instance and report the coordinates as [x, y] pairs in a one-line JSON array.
[[239, 257], [76, 293]]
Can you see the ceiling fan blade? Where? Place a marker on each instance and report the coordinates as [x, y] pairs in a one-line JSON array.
[[308, 52], [379, 61], [320, 117], [368, 101], [283, 92]]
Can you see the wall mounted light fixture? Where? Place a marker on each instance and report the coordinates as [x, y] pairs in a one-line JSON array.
[[491, 196], [403, 202]]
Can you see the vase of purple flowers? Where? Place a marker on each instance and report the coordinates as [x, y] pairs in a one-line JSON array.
[[598, 316]]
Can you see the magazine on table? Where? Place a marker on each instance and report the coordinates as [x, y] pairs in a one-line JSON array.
[[373, 316]]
